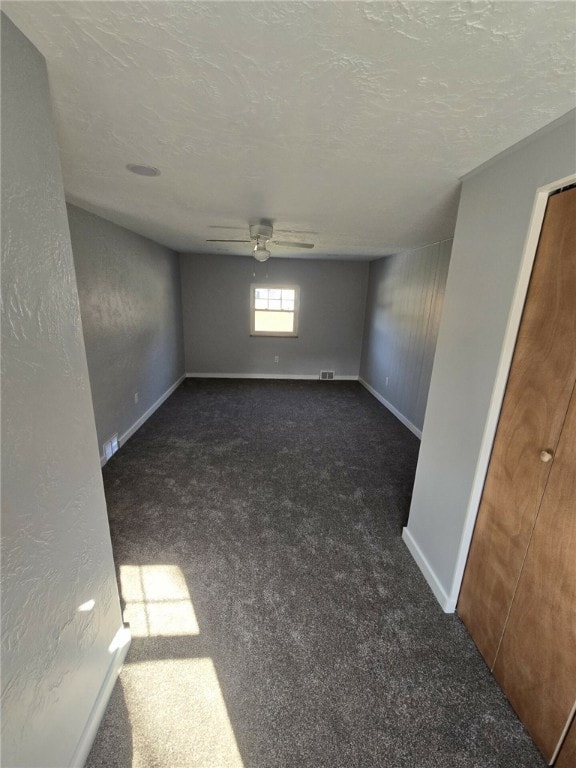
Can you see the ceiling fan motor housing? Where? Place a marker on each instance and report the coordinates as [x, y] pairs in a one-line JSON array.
[[260, 231]]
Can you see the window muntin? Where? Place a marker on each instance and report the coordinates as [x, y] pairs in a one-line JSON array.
[[274, 310]]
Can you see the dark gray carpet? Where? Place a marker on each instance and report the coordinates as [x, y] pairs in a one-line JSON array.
[[282, 503]]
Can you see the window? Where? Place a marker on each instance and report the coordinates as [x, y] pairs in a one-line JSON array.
[[274, 310]]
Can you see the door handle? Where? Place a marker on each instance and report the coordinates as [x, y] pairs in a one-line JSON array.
[[546, 456]]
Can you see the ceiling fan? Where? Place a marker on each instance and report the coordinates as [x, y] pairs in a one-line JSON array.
[[261, 235]]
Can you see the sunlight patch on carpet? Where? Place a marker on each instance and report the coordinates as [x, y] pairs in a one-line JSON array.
[[157, 601], [178, 715]]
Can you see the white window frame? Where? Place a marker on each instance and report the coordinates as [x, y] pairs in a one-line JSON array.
[[274, 286]]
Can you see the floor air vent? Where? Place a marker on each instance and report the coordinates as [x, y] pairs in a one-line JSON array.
[[326, 375], [110, 447]]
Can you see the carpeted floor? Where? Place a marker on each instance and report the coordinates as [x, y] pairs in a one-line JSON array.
[[280, 621]]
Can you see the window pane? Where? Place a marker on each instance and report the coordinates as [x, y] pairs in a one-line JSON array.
[[274, 303], [261, 303], [274, 322], [288, 305], [275, 293], [261, 293], [288, 293]]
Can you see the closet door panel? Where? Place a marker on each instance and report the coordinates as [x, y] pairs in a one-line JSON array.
[[541, 378], [536, 663]]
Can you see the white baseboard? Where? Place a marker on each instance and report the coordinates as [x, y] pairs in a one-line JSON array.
[[146, 415], [121, 645], [448, 604], [305, 376], [391, 408]]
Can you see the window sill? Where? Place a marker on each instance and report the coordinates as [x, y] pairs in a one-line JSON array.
[[275, 335]]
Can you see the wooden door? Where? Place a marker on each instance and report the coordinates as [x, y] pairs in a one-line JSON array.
[[524, 461], [536, 662]]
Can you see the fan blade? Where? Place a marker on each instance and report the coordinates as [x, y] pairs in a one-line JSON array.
[[217, 226], [286, 244], [296, 231], [228, 241]]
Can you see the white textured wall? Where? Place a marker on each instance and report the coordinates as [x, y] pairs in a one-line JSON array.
[[403, 309], [216, 309], [129, 289], [491, 230], [56, 552]]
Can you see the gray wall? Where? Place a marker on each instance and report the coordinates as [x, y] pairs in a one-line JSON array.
[[491, 230], [129, 289], [216, 308], [403, 309], [56, 551]]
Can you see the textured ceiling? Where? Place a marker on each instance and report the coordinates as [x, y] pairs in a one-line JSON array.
[[350, 120]]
